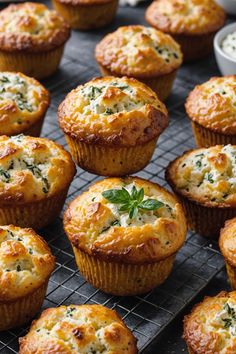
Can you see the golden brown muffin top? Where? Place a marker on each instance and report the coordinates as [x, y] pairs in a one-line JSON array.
[[213, 104], [206, 175], [74, 329], [32, 169], [227, 241], [113, 111], [26, 262], [31, 27], [188, 17], [129, 220], [211, 326], [139, 51], [23, 101]]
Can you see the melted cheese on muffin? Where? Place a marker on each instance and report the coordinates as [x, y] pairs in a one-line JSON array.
[[213, 104], [31, 26], [23, 101], [210, 328], [25, 262], [139, 51], [207, 175], [83, 329], [190, 17], [113, 110], [108, 229], [32, 169]]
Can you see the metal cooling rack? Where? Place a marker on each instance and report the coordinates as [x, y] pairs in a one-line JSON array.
[[196, 263]]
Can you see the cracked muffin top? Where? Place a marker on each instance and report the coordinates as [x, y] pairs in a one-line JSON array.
[[31, 27], [83, 329]]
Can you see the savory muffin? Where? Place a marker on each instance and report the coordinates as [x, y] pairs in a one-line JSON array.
[[35, 174], [26, 264], [86, 14], [212, 110], [32, 39], [23, 104], [227, 244], [112, 125], [144, 53], [210, 327], [125, 234], [192, 23], [83, 329], [204, 180]]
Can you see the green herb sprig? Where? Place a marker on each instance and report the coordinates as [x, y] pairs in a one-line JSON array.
[[131, 202]]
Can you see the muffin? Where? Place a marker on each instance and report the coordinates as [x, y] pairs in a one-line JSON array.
[[35, 174], [192, 23], [204, 181], [143, 53], [212, 110], [26, 265], [112, 125], [32, 39], [227, 244], [210, 327], [79, 329], [125, 234], [86, 14], [23, 104]]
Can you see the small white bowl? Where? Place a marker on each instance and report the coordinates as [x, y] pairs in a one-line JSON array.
[[226, 64], [228, 5]]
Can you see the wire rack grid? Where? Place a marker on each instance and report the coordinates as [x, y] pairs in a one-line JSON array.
[[196, 263]]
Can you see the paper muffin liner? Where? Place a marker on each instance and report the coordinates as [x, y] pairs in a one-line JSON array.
[[110, 161], [22, 310], [122, 279], [38, 65], [88, 16], [205, 137], [35, 214], [207, 221], [231, 272], [195, 47], [162, 84]]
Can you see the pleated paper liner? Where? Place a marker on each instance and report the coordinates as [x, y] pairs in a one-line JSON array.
[[122, 279], [38, 65], [206, 221], [87, 16], [35, 214], [22, 310], [162, 84], [205, 137], [110, 161], [195, 47]]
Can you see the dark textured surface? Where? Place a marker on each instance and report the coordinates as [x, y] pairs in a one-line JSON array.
[[197, 264]]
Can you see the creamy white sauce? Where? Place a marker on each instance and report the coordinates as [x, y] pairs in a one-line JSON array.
[[229, 45]]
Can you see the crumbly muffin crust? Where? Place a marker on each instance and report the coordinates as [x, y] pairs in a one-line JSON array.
[[26, 262], [227, 241], [113, 111], [188, 17], [138, 51], [100, 228], [23, 101], [206, 175], [210, 328], [32, 169], [31, 27], [213, 106], [80, 329]]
